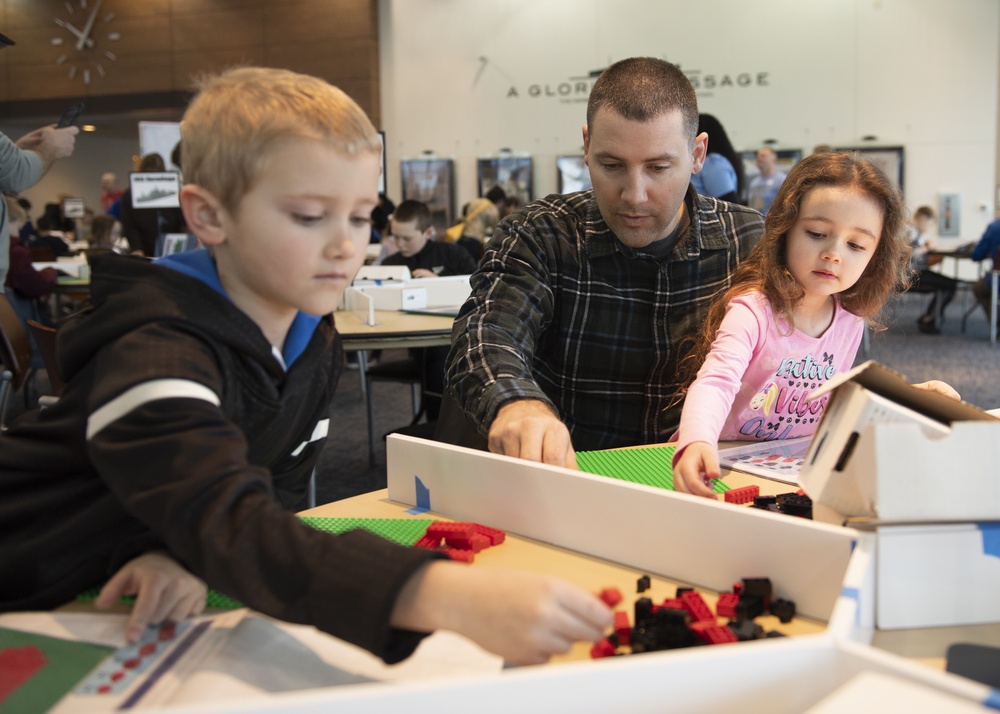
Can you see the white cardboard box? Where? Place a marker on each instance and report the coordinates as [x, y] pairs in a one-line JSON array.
[[930, 575], [414, 294], [784, 676], [889, 450], [708, 543]]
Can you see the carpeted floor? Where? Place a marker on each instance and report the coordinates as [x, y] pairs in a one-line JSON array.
[[966, 361]]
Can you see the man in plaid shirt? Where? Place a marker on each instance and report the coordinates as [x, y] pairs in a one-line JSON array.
[[581, 303]]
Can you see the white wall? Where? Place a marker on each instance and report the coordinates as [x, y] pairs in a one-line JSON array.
[[917, 73]]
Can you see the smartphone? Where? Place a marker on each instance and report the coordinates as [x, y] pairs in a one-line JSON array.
[[70, 116]]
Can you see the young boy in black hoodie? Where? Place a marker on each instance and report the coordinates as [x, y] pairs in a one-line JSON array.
[[197, 403]]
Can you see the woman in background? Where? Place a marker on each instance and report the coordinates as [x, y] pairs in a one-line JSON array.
[[722, 175]]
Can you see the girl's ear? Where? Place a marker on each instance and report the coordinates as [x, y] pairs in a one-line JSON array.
[[203, 213]]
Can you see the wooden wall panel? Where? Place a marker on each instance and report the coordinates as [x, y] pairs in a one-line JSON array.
[[162, 44]]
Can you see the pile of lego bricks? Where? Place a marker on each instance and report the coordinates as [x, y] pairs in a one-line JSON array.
[[687, 621], [459, 541], [796, 503]]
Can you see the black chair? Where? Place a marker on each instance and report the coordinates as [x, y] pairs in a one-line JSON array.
[[406, 371], [45, 340]]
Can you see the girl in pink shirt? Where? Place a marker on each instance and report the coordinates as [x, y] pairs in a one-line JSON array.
[[833, 251]]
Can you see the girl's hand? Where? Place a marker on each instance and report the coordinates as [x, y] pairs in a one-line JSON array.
[[164, 591], [936, 385], [697, 465], [523, 617]]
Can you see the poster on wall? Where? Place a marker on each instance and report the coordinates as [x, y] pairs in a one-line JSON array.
[[431, 181], [511, 173], [573, 174], [887, 158]]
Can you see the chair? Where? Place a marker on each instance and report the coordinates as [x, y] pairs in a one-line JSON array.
[[15, 355], [45, 341], [408, 371]]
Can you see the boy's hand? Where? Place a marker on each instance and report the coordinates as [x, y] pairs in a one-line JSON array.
[[697, 465], [523, 617], [936, 385], [164, 590]]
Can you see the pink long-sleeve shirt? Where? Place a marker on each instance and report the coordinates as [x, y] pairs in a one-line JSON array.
[[754, 382]]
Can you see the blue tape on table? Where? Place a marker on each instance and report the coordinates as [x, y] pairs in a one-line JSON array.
[[991, 538], [423, 497], [993, 700]]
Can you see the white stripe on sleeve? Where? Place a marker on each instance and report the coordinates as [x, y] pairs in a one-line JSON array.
[[143, 394]]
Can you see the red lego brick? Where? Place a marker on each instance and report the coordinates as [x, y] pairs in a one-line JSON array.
[[444, 529], [742, 495], [495, 535], [695, 605], [465, 556], [611, 596], [622, 628], [673, 603], [604, 648], [726, 605], [714, 634], [427, 542]]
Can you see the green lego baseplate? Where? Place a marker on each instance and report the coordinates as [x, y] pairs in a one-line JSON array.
[[650, 466], [404, 531]]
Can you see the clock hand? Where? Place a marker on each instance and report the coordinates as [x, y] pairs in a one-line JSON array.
[[89, 26], [76, 32]]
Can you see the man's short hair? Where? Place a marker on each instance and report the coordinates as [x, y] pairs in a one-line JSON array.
[[643, 88], [410, 211], [924, 211], [239, 114]]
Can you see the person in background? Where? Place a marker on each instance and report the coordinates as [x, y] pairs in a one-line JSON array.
[[764, 187], [380, 217], [571, 336], [833, 252], [46, 237], [480, 218], [925, 280], [143, 226], [721, 176], [110, 193], [22, 165], [197, 399], [988, 247], [413, 234], [105, 233], [25, 286]]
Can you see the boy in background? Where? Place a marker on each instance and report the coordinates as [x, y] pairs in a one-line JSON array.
[[413, 234], [197, 403]]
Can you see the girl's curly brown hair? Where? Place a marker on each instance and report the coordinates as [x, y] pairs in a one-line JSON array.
[[766, 268]]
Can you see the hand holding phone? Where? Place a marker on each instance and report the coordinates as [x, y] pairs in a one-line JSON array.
[[70, 116]]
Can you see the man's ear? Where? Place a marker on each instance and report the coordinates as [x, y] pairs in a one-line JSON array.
[[586, 145], [203, 213], [700, 152]]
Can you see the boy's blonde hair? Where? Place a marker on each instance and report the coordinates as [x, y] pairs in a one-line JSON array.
[[236, 116]]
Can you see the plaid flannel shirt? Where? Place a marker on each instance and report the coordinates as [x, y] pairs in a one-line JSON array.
[[563, 312]]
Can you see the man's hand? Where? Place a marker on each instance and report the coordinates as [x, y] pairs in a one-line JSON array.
[[528, 429], [50, 143], [164, 590]]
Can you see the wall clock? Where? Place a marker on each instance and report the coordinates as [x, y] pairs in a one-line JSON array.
[[85, 39]]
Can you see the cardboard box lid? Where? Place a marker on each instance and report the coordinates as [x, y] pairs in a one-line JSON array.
[[892, 385]]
